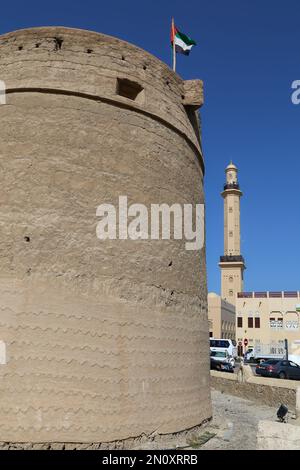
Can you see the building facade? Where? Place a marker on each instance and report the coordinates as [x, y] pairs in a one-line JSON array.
[[267, 318], [221, 317]]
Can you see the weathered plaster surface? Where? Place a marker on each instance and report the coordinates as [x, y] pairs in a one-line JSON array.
[[104, 340]]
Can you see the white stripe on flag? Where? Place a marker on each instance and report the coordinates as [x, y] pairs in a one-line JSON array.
[[179, 42]]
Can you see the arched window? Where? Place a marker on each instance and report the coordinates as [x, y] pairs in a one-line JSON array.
[[276, 320], [291, 320]]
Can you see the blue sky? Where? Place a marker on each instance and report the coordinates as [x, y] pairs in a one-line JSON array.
[[248, 56]]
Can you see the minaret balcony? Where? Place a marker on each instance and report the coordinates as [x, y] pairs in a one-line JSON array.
[[231, 186], [232, 259]]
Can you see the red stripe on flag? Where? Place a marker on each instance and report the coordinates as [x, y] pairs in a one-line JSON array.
[[174, 31]]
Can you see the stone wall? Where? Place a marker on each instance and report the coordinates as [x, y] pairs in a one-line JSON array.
[[271, 392], [104, 340], [142, 442]]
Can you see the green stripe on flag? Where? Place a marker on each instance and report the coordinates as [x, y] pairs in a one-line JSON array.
[[186, 39]]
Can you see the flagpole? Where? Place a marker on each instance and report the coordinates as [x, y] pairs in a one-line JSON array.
[[174, 48]]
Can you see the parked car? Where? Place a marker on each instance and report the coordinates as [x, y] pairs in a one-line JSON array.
[[262, 365], [223, 357], [220, 366], [279, 369]]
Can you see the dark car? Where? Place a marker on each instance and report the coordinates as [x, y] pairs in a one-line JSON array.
[[262, 366], [281, 369], [217, 365]]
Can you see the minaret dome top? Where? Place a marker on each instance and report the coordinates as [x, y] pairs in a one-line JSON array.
[[231, 166], [231, 177]]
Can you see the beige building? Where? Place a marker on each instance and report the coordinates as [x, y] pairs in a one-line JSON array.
[[267, 318], [221, 317]]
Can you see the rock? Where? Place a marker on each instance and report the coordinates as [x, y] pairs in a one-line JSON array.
[[278, 436]]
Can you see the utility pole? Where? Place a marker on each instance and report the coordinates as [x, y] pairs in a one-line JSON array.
[[286, 347]]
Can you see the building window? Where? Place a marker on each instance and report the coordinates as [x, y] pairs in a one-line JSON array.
[[230, 279], [291, 320], [211, 334], [276, 324], [279, 323], [250, 322], [231, 293], [231, 233], [240, 322], [257, 322]]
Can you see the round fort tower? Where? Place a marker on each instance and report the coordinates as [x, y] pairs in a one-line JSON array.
[[100, 340]]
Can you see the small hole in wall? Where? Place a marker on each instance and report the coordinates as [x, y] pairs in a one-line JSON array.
[[20, 48], [89, 51], [27, 239], [145, 67], [183, 97], [123, 58], [37, 45], [172, 292], [170, 264], [167, 82], [128, 88]]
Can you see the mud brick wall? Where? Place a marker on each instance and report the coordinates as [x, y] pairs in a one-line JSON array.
[[104, 340]]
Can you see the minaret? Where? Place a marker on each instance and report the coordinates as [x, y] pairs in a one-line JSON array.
[[232, 263]]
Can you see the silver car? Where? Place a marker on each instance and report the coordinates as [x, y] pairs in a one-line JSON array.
[[223, 357]]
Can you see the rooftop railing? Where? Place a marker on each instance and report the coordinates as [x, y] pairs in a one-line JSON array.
[[260, 295], [290, 294], [245, 295], [275, 295], [271, 295]]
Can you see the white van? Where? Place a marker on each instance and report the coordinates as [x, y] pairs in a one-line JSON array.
[[224, 344]]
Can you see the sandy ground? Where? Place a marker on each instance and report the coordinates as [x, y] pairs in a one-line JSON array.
[[235, 422], [234, 426]]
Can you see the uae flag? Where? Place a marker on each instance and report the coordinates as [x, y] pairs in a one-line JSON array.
[[183, 44]]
